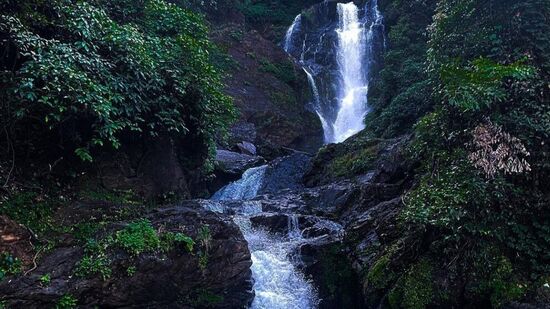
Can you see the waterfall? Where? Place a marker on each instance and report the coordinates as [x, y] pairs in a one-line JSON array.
[[245, 188], [277, 282], [353, 86], [338, 55], [327, 129], [290, 32], [294, 228]]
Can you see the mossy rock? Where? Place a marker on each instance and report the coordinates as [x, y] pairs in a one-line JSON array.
[[379, 275], [415, 289]]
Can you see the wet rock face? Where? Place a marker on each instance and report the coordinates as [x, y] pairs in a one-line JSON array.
[[235, 163], [247, 148], [285, 173], [326, 262], [362, 158], [172, 279]]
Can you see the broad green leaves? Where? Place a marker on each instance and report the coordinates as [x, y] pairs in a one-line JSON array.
[[481, 83]]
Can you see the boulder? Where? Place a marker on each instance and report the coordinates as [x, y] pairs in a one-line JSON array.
[[230, 166], [169, 279], [273, 222], [235, 163], [149, 169], [325, 262], [242, 131], [285, 173], [247, 148]]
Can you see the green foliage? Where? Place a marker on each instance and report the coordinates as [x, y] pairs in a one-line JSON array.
[[255, 12], [138, 237], [481, 84], [355, 162], [337, 276], [496, 279], [32, 209], [95, 261], [284, 100], [274, 15], [84, 231], [479, 64], [204, 237], [401, 93], [415, 289], [169, 239], [66, 302], [130, 271], [127, 197], [380, 275], [283, 71], [206, 298], [99, 71], [9, 265], [485, 67], [446, 199], [45, 280]]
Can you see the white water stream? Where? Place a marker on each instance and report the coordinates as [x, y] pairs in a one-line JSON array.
[[290, 32], [277, 282]]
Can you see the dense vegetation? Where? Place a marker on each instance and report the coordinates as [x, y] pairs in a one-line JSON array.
[[475, 82], [272, 16], [399, 94], [84, 83], [466, 81], [85, 76]]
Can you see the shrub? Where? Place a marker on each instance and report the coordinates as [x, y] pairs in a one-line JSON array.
[[96, 72], [45, 280], [66, 302], [138, 237], [9, 265], [283, 71], [95, 260]]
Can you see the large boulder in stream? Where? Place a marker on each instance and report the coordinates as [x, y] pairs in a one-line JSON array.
[[234, 163], [111, 271], [230, 166], [285, 173]]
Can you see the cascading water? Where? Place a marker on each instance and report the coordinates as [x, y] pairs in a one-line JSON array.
[[290, 32], [327, 128], [338, 53], [353, 86], [245, 188], [277, 282]]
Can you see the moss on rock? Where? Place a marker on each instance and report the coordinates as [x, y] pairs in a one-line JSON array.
[[413, 290]]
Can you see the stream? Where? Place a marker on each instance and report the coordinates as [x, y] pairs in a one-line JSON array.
[[278, 281]]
